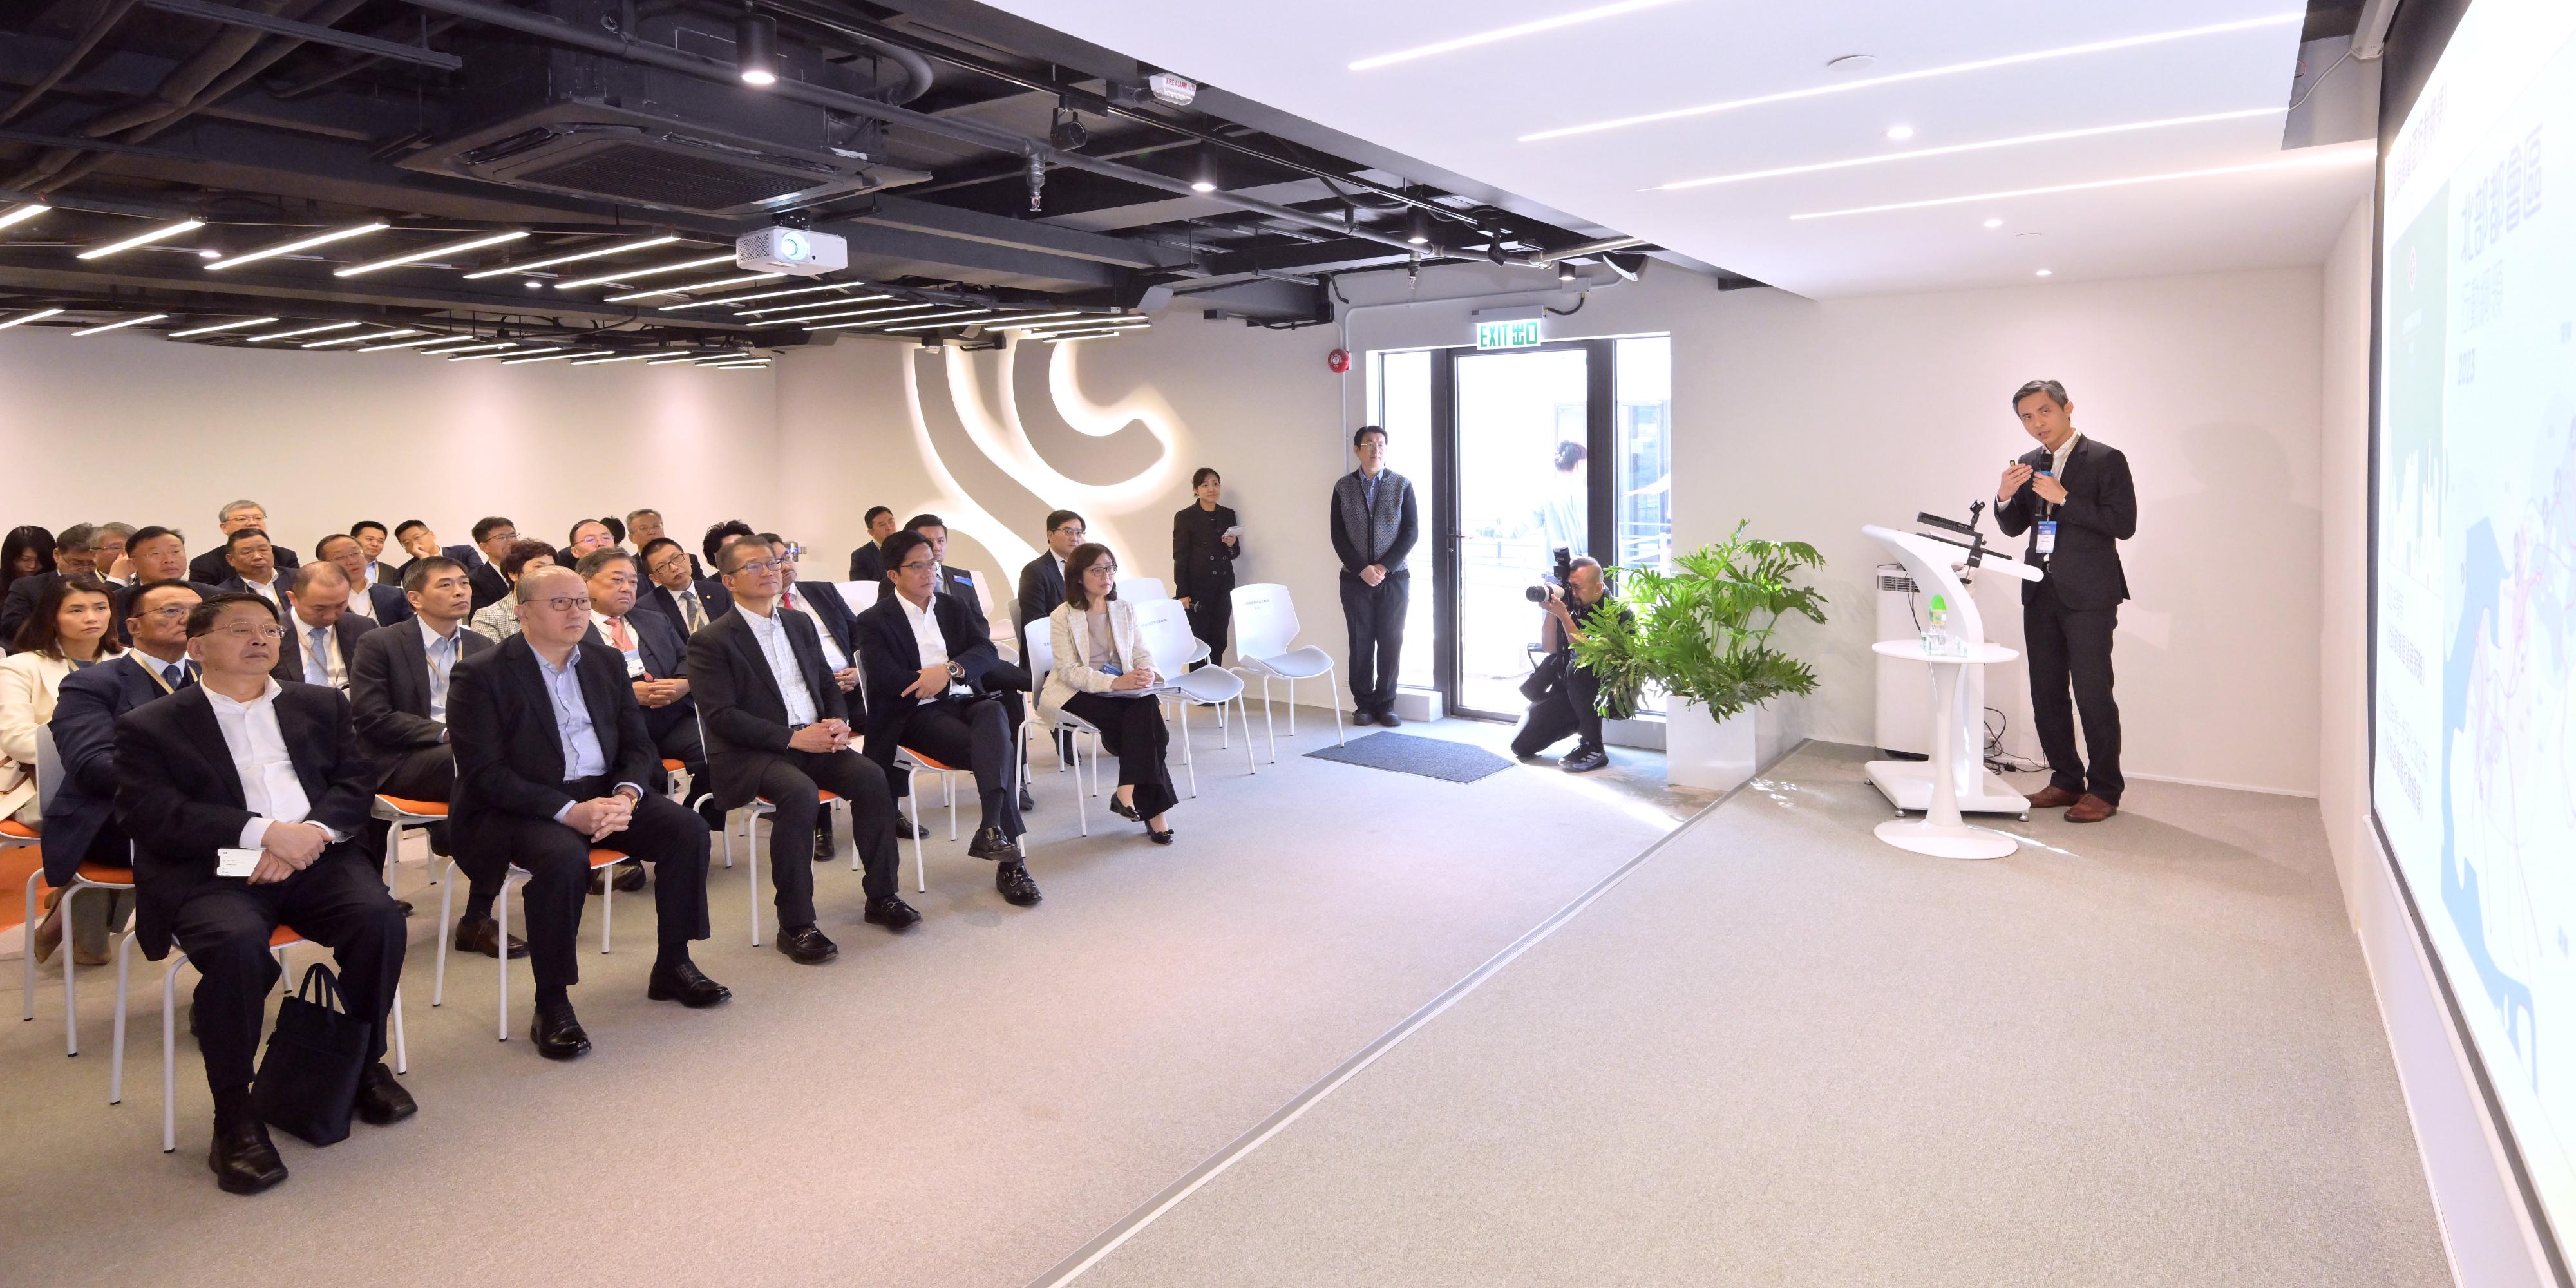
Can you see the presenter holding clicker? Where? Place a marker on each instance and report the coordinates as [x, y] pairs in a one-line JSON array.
[[2072, 494]]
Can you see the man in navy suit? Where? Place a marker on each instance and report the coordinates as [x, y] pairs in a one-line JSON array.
[[419, 542], [214, 566], [676, 592], [2073, 495], [957, 586], [321, 633], [368, 598], [80, 825], [242, 766], [867, 562], [254, 565], [656, 660], [494, 536]]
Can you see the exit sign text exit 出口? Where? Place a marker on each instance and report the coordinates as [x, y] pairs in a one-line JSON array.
[[1522, 334]]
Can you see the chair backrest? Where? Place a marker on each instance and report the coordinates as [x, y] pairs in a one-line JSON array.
[[1265, 620], [983, 592], [1041, 651], [49, 769], [1138, 590], [1167, 633], [859, 595]]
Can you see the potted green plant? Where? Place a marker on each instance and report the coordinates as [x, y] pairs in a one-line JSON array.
[[1702, 632]]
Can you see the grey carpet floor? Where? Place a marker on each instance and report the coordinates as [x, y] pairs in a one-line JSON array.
[[1781, 1053], [959, 1106]]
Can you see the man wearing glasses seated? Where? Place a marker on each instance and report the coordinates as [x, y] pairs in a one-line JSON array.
[[552, 759], [244, 797]]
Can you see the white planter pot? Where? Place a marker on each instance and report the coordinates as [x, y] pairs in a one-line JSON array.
[[1716, 755]]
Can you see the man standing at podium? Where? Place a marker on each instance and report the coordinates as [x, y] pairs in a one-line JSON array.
[[2073, 496]]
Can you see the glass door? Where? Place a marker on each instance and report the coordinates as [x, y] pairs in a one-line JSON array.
[[1524, 479]]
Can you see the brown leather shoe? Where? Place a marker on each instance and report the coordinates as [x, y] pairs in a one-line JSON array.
[[2091, 809], [2052, 797]]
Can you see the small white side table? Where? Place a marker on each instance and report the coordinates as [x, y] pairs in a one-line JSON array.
[[1940, 832]]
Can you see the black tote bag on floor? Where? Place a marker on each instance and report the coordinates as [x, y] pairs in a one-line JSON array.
[[308, 1080]]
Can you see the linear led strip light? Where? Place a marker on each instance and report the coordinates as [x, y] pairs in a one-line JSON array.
[[1092, 322], [118, 326], [1956, 148], [782, 310], [1594, 14], [302, 331], [694, 286], [23, 213], [300, 243], [1069, 337], [780, 295], [655, 271], [23, 318], [605, 359], [469, 347], [576, 257], [1952, 69], [500, 351], [144, 238], [809, 320], [550, 355], [434, 252], [220, 326], [934, 321], [406, 344], [2346, 156], [353, 339]]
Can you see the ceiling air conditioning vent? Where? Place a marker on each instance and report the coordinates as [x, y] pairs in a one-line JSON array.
[[663, 168]]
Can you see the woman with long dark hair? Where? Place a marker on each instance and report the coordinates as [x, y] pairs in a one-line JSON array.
[[27, 551], [1206, 541], [73, 626]]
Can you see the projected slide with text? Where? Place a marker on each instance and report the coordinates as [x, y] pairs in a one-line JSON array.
[[2474, 768]]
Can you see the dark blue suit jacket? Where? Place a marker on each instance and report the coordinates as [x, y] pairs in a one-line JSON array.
[[712, 596], [390, 603], [85, 710]]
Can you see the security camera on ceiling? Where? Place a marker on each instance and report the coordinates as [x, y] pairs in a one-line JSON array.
[[797, 252]]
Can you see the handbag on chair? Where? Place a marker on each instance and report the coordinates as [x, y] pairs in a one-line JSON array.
[[307, 1083]]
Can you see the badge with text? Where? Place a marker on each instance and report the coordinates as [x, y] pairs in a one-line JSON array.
[[2047, 538]]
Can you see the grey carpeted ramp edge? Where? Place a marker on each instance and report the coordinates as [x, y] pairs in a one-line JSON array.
[[1454, 762]]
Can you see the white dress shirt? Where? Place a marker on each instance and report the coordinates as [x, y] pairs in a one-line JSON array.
[[926, 637], [2057, 459], [270, 789], [832, 654], [771, 632], [264, 589], [362, 603]]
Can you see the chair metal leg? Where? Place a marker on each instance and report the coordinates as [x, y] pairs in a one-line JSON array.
[[116, 1049], [501, 914], [1292, 710], [1337, 718], [751, 861], [1269, 725], [948, 790], [607, 903], [169, 1058], [446, 907], [1250, 759], [1186, 759], [912, 806], [402, 1050], [71, 1001], [27, 992]]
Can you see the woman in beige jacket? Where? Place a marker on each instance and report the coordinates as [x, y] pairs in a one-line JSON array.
[[1100, 656], [70, 629]]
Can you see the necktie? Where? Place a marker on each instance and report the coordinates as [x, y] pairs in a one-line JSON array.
[[442, 657], [175, 674], [317, 659], [689, 607]]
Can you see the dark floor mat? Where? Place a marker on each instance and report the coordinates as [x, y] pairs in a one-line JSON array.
[[1455, 762]]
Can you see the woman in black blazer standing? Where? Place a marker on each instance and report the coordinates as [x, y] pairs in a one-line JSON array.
[[1204, 548]]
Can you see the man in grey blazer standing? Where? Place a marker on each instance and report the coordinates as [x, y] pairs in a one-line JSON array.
[[1374, 521]]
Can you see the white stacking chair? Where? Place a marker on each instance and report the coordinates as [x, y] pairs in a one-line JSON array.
[[859, 595], [1002, 635], [1265, 628], [1040, 640], [1167, 634], [1137, 590], [510, 880], [89, 876]]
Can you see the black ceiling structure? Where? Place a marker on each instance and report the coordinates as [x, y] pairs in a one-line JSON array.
[[569, 177]]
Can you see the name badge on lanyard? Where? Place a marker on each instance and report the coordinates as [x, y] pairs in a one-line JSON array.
[[635, 663], [2047, 544]]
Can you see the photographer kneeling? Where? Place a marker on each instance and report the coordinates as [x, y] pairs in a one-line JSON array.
[[1564, 697]]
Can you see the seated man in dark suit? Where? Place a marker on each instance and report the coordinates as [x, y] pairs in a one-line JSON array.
[[776, 728], [254, 568], [922, 655], [552, 760], [656, 659], [675, 591], [154, 554], [80, 825], [379, 603], [1004, 677], [321, 633], [493, 536], [822, 604], [215, 566], [370, 536], [419, 542], [1042, 580], [241, 766], [72, 557], [398, 689], [867, 563]]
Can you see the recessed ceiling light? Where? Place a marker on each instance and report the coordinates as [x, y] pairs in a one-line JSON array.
[[576, 257], [300, 243], [1593, 14], [1983, 145], [2337, 157], [1202, 186], [115, 326], [2046, 272], [144, 238], [1900, 133], [37, 316], [1953, 69], [209, 252], [1994, 223]]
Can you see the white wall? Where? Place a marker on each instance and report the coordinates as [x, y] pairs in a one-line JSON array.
[[165, 432]]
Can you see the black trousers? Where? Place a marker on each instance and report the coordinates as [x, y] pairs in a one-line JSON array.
[[671, 838], [2073, 645], [1133, 731], [1375, 615], [338, 902], [1572, 706], [1210, 615], [793, 783], [980, 732]]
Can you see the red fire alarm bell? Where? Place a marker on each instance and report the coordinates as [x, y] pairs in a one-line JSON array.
[[1338, 360]]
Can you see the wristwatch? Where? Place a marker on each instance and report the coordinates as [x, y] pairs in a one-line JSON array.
[[956, 672]]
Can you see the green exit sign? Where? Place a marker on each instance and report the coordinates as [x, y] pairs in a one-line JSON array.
[[1508, 335]]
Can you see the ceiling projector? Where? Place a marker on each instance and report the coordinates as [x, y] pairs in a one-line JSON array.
[[800, 252]]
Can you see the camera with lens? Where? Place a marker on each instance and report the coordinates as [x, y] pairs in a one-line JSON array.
[[1557, 577]]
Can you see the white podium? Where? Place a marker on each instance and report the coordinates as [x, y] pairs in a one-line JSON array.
[[1954, 779]]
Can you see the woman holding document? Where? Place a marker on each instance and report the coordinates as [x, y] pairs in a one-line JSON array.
[[1104, 676], [1206, 540]]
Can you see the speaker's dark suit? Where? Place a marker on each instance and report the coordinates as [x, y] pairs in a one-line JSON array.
[[291, 651], [745, 714], [977, 730], [181, 800], [713, 599], [665, 655], [512, 780], [2068, 616], [81, 825], [867, 563], [213, 569]]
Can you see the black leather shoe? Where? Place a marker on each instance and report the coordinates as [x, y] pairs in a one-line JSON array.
[[715, 818], [904, 830], [558, 1034], [1012, 879], [483, 935], [892, 913], [1163, 837], [682, 982], [822, 846], [242, 1159], [1124, 810], [989, 843], [1363, 717], [382, 1100], [405, 905], [806, 946], [1389, 718], [1028, 802], [630, 875]]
